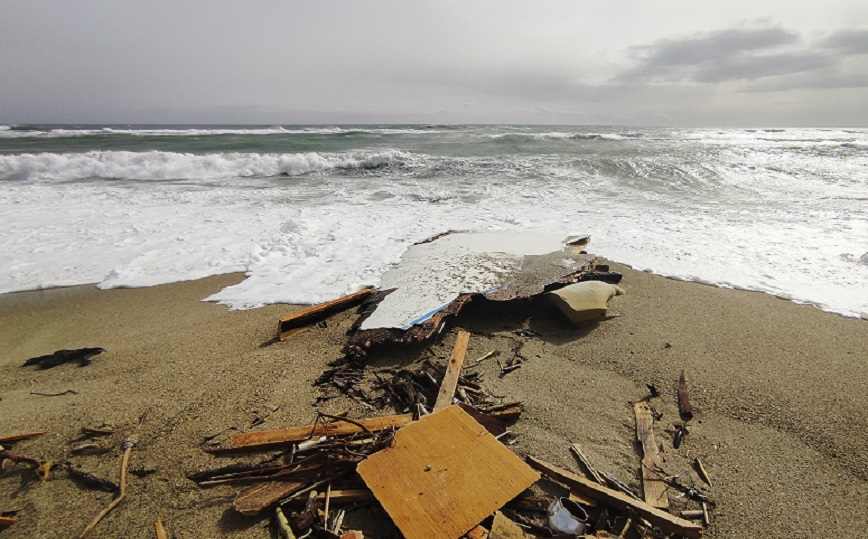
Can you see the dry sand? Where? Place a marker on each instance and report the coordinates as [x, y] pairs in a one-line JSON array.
[[780, 391]]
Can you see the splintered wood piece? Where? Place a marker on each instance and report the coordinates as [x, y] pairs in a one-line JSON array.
[[653, 486], [701, 470], [582, 499], [477, 533], [17, 437], [491, 424], [5, 522], [580, 455], [617, 499], [443, 475], [503, 528], [257, 498], [250, 441], [684, 406], [158, 528], [453, 371], [287, 325]]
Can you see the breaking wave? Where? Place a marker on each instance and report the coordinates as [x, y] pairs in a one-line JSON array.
[[156, 165]]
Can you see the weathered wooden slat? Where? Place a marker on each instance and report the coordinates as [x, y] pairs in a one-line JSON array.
[[261, 496], [657, 517], [252, 441], [653, 486], [453, 371], [286, 326]]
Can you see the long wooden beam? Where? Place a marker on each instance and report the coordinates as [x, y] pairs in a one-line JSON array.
[[289, 325], [653, 515], [254, 441]]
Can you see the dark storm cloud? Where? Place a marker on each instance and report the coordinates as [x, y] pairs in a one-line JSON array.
[[763, 58]]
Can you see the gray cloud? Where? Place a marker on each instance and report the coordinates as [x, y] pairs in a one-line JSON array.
[[849, 41], [765, 59]]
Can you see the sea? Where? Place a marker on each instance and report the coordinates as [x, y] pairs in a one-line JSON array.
[[311, 213]]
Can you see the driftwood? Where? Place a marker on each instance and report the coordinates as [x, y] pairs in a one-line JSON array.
[[18, 437], [127, 447], [289, 325], [614, 498], [684, 406], [453, 371]]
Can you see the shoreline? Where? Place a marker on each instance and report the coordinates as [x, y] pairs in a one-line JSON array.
[[780, 390]]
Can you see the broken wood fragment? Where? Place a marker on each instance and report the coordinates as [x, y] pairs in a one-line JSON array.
[[617, 499], [18, 437], [691, 514], [504, 528], [582, 499], [705, 518], [444, 474], [287, 325], [653, 486], [5, 522], [89, 449], [701, 470], [343, 497], [98, 431], [577, 450], [253, 441], [257, 498], [453, 371], [159, 529], [283, 525], [491, 423], [684, 406]]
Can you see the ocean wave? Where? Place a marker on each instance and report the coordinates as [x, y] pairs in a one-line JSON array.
[[31, 132], [563, 136], [156, 165]]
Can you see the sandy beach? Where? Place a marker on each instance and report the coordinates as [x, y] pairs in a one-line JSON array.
[[780, 392]]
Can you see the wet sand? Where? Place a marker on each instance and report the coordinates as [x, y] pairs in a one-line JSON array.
[[780, 392]]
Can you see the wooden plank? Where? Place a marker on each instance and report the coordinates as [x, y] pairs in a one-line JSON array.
[[17, 437], [261, 496], [653, 486], [287, 325], [250, 441], [684, 406], [443, 475], [453, 371], [657, 517]]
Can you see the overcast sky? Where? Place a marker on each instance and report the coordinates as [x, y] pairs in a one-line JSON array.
[[636, 62]]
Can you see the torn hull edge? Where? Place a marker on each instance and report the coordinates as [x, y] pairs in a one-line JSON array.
[[362, 341]]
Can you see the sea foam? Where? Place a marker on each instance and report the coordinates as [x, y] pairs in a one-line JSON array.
[[307, 227]]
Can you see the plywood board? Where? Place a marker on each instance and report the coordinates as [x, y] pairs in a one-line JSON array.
[[443, 475]]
